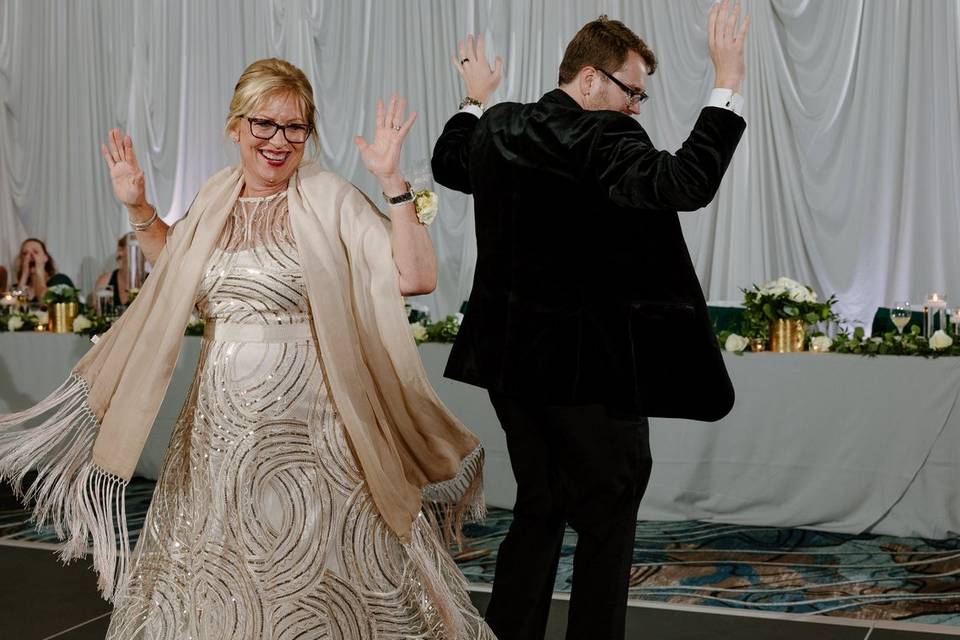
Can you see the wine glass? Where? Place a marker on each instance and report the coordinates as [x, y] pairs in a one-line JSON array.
[[22, 298], [900, 314], [103, 301]]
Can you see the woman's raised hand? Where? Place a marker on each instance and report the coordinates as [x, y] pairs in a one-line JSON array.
[[382, 156], [125, 172]]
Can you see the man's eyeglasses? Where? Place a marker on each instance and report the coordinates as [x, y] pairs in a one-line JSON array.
[[266, 129], [634, 97]]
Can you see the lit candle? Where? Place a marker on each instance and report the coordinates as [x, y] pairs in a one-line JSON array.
[[936, 300], [935, 307], [8, 300]]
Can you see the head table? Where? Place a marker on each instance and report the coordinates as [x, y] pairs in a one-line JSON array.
[[833, 442]]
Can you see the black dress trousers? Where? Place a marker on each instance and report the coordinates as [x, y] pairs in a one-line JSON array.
[[583, 465]]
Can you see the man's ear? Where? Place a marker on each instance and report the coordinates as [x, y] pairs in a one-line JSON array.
[[586, 78]]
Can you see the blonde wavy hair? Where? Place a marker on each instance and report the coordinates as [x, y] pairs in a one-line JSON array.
[[266, 78]]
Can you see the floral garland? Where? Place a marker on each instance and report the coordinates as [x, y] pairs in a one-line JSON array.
[[784, 298], [96, 325], [22, 320], [893, 344], [443, 331], [84, 324]]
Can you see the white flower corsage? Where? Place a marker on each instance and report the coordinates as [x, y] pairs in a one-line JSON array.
[[427, 204]]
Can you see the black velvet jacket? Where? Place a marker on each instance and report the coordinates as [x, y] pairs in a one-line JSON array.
[[584, 290]]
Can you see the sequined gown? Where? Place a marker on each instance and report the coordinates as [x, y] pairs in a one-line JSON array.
[[261, 526]]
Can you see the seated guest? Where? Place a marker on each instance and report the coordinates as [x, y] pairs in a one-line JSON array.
[[36, 270], [119, 278]]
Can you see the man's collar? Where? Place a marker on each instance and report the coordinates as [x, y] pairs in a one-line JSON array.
[[560, 97]]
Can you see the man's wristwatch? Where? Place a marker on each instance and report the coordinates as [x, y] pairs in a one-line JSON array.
[[468, 101], [403, 198]]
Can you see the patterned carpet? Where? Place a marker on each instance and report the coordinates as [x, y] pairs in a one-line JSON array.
[[758, 568]]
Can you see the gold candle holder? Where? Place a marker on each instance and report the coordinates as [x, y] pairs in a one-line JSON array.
[[61, 315], [787, 336], [757, 345]]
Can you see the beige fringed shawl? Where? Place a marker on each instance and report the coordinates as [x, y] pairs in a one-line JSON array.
[[85, 438]]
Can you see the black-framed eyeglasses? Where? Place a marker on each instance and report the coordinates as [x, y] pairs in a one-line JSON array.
[[634, 97], [266, 129]]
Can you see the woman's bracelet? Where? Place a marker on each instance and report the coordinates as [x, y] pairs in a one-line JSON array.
[[143, 226]]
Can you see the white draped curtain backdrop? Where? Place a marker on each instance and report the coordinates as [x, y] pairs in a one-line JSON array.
[[848, 176]]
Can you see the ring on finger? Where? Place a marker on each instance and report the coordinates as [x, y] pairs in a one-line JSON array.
[[396, 127]]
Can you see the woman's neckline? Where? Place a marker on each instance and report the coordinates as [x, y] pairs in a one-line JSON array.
[[263, 198]]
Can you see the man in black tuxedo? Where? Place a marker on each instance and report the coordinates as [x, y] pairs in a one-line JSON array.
[[586, 316]]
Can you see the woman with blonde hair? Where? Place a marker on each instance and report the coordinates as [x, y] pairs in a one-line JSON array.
[[313, 474], [118, 279]]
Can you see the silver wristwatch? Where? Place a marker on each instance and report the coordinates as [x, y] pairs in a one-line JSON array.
[[403, 198], [468, 101]]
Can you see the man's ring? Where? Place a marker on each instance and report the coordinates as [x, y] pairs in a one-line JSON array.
[[465, 60], [396, 127]]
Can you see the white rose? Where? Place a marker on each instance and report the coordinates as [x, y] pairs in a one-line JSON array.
[[802, 294], [820, 343], [427, 204], [772, 288], [81, 323], [15, 323], [775, 287], [42, 317], [735, 343], [419, 331], [939, 340], [458, 318]]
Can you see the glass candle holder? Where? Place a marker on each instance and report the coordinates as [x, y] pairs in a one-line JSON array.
[[934, 313]]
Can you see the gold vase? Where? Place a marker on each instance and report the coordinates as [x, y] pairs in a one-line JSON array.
[[61, 315], [786, 336]]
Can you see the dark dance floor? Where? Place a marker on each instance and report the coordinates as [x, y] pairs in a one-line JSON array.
[[40, 599]]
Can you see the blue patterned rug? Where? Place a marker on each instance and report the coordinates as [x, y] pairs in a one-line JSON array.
[[736, 567]]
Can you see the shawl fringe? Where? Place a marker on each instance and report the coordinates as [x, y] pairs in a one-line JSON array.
[[80, 500], [453, 503], [438, 603]]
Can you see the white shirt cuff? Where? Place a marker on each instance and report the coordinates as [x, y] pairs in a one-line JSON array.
[[472, 108], [726, 99]]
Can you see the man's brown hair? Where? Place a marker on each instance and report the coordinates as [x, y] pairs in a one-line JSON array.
[[603, 44]]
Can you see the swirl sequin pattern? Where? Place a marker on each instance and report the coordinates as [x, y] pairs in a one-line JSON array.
[[261, 526]]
